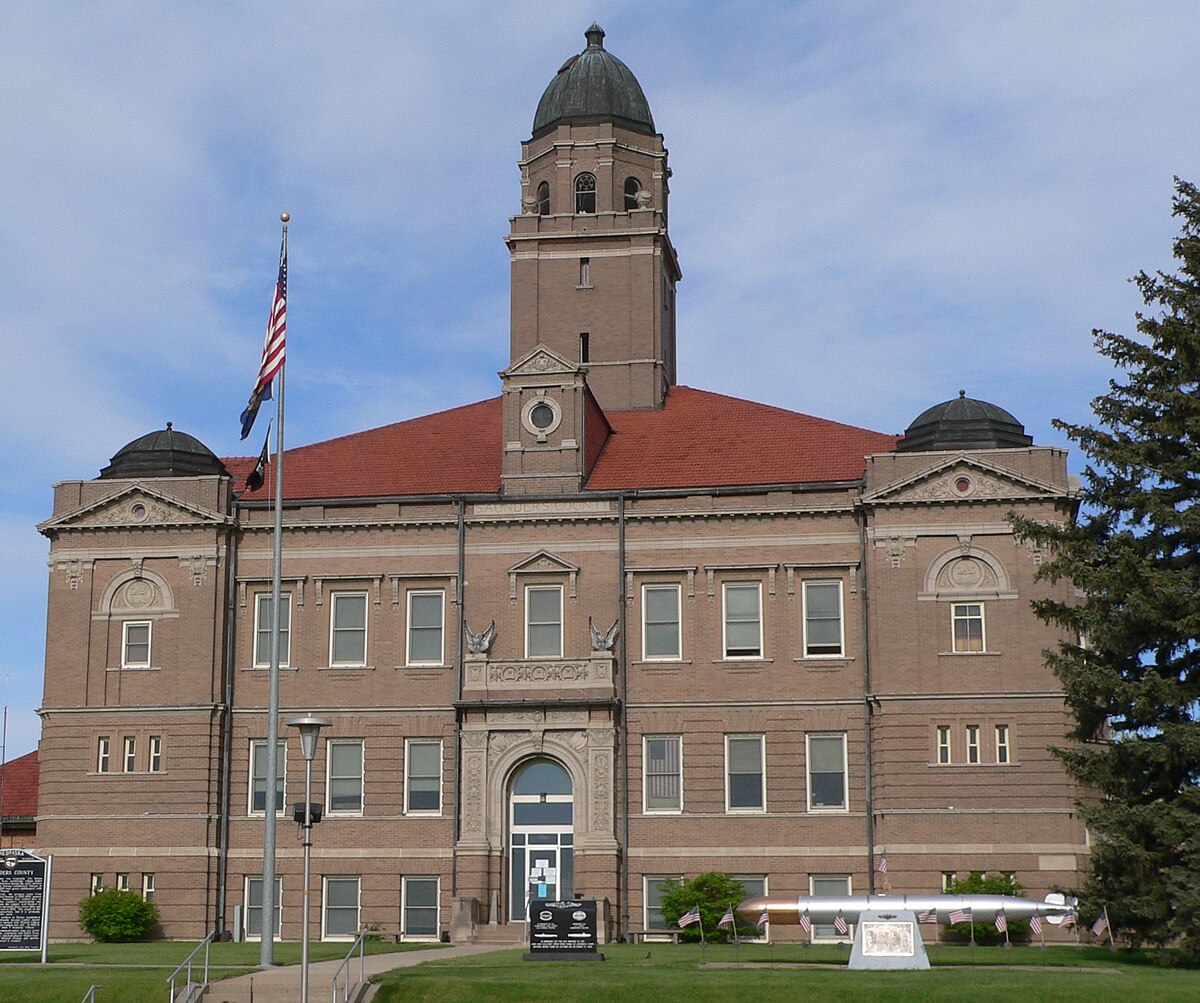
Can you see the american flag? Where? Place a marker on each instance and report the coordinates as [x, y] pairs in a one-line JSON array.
[[273, 344], [928, 916], [840, 924], [727, 919], [690, 917], [1068, 921], [960, 915], [1100, 925], [806, 922], [762, 920], [1035, 926], [883, 863], [1001, 921]]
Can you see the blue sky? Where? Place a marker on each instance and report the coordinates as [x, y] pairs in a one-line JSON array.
[[875, 204]]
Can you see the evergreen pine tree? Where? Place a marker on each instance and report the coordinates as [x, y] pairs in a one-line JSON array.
[[1133, 555]]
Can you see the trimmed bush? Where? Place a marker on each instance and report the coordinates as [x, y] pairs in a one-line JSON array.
[[114, 917]]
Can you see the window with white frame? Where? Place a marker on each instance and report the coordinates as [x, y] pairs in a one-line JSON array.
[[948, 879], [344, 786], [543, 621], [339, 920], [1003, 754], [972, 743], [656, 886], [743, 619], [745, 780], [135, 644], [262, 628], [660, 623], [830, 884], [663, 773], [423, 776], [425, 615], [420, 909], [348, 628], [823, 619], [97, 883], [752, 885], [967, 625], [122, 884], [129, 760], [252, 914], [827, 788], [943, 744], [258, 776], [103, 754], [154, 764], [148, 886]]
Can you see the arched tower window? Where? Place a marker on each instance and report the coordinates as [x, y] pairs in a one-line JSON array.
[[632, 187], [585, 193], [543, 196]]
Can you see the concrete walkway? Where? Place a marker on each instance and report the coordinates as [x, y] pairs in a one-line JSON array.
[[282, 984]]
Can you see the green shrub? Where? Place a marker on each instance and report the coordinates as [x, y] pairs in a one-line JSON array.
[[978, 883], [113, 916], [713, 892]]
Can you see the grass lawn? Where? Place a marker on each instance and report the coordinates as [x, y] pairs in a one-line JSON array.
[[648, 973], [133, 973]]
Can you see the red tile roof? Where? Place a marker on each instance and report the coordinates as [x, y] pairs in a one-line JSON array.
[[20, 786], [699, 439]]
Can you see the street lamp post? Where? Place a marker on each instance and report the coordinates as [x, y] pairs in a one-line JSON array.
[[310, 728]]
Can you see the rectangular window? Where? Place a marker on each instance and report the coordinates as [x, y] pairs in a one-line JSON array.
[[823, 619], [122, 882], [252, 915], [753, 885], [543, 621], [967, 621], [425, 627], [262, 629], [340, 919], [148, 886], [348, 628], [948, 879], [420, 909], [585, 268], [135, 645], [660, 623], [745, 787], [130, 756], [656, 887], [423, 776], [345, 782], [258, 776], [972, 743], [830, 884], [943, 744], [155, 762], [583, 347], [97, 884], [743, 620], [826, 772], [103, 754], [1002, 752], [664, 774]]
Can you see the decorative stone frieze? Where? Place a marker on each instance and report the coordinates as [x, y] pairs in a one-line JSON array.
[[594, 673]]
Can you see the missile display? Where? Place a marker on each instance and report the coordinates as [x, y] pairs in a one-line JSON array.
[[787, 911]]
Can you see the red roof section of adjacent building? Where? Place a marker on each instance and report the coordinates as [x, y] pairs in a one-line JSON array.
[[20, 787], [698, 439]]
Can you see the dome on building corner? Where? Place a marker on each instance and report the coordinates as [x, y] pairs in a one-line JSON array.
[[594, 86], [164, 453], [964, 423]]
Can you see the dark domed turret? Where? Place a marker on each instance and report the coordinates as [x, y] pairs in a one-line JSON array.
[[964, 423], [164, 453], [594, 87]]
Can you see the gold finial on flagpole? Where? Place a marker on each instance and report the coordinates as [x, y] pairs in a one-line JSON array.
[[285, 216]]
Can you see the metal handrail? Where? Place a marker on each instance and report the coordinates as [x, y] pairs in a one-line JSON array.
[[90, 995], [206, 943], [359, 946]]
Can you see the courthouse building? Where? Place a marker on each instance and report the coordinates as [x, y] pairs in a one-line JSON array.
[[595, 632]]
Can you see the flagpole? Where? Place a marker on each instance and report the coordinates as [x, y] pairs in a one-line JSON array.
[[1108, 926], [266, 956]]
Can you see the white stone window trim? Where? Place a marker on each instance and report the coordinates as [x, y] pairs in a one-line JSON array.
[[246, 934], [420, 937], [104, 754], [841, 618], [838, 938], [330, 811], [844, 807], [335, 600], [725, 588], [943, 745], [763, 934], [441, 627], [955, 616], [974, 745], [543, 587], [129, 754], [646, 740], [648, 587], [541, 400], [126, 661], [408, 777], [148, 886], [262, 600], [281, 777], [154, 754], [761, 808], [325, 880], [1003, 734], [649, 933]]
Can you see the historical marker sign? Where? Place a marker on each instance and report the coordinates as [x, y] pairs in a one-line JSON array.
[[23, 888], [562, 930]]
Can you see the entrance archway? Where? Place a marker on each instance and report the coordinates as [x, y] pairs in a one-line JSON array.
[[541, 835]]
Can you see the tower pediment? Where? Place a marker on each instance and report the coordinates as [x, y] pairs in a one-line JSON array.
[[962, 478], [541, 361], [133, 507]]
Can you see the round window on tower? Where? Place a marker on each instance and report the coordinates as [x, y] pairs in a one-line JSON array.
[[541, 416]]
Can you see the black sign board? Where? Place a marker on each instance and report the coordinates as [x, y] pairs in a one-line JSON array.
[[22, 894], [563, 931]]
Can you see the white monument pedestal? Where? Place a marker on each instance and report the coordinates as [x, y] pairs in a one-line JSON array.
[[888, 940]]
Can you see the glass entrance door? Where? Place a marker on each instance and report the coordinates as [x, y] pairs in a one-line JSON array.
[[541, 836]]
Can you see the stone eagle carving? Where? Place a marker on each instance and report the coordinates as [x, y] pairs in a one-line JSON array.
[[479, 643], [603, 640]]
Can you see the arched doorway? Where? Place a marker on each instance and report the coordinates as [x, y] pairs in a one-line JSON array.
[[541, 835]]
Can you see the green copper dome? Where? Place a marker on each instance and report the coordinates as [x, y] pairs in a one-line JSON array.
[[164, 453], [594, 87], [964, 423]]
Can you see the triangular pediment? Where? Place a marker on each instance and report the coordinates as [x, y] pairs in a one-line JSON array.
[[135, 506], [544, 561], [962, 478], [541, 361]]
